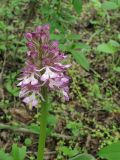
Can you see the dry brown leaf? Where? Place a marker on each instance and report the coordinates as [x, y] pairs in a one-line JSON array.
[[21, 115]]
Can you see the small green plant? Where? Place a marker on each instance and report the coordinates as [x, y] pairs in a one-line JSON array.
[[74, 127], [109, 48], [17, 153]]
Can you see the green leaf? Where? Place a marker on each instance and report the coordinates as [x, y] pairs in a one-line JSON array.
[[2, 47], [83, 157], [81, 46], [111, 152], [52, 120], [68, 151], [119, 36], [77, 5], [18, 153], [13, 90], [114, 43], [57, 36], [74, 37], [5, 156], [34, 128], [109, 5], [63, 47], [74, 127], [28, 142], [22, 153], [81, 59], [2, 25], [106, 48], [15, 152], [117, 69]]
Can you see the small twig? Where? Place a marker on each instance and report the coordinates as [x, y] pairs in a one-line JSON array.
[[108, 18], [13, 128], [62, 136], [52, 152], [25, 130], [6, 145], [88, 141]]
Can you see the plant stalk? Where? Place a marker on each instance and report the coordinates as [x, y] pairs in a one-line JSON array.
[[43, 125]]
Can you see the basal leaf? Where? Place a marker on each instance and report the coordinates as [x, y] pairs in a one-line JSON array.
[[15, 152], [18, 153], [22, 153], [111, 152]]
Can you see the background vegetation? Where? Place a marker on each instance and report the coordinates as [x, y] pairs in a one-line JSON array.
[[89, 32]]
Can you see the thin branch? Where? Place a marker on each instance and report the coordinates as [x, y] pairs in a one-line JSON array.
[[29, 131]]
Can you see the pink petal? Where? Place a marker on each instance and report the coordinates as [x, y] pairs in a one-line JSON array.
[[48, 74], [27, 100], [26, 81], [34, 81]]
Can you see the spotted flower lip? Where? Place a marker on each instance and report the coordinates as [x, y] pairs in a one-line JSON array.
[[43, 67]]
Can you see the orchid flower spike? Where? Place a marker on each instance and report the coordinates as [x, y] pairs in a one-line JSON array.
[[43, 67]]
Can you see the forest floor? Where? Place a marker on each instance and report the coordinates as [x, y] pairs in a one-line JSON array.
[[91, 119]]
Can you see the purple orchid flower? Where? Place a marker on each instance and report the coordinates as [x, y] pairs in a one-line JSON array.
[[43, 67]]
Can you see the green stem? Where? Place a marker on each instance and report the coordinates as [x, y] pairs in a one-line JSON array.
[[43, 124]]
